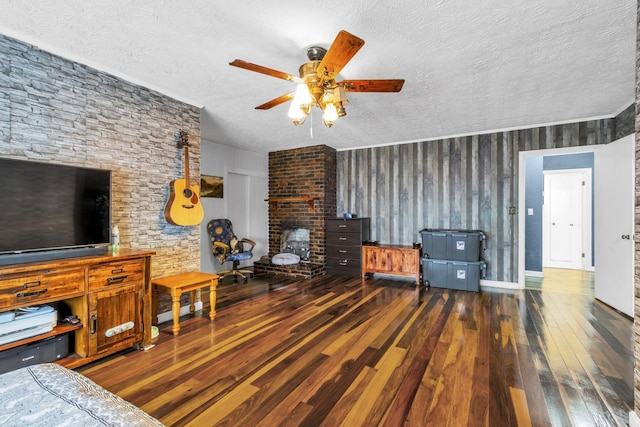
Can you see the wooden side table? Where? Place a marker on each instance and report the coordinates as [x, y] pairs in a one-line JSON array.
[[392, 259], [176, 285]]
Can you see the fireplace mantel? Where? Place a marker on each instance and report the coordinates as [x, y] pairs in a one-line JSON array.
[[310, 200]]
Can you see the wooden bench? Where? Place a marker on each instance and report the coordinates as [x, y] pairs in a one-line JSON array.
[[176, 285]]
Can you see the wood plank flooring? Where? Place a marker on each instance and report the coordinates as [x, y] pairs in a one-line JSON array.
[[334, 351]]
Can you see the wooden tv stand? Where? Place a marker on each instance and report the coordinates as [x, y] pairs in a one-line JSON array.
[[90, 288], [391, 259]]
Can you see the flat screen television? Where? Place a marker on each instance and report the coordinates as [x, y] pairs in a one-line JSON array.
[[51, 211]]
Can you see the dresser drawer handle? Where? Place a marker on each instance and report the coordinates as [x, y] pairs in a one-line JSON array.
[[117, 279], [117, 270], [342, 238], [342, 251], [343, 263], [342, 225], [30, 294], [31, 284]]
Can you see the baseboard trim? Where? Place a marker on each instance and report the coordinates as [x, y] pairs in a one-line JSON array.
[[634, 421], [534, 273], [168, 315], [502, 285]]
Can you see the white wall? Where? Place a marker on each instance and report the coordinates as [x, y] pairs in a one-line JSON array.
[[222, 160]]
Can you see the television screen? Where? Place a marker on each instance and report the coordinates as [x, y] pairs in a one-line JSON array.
[[46, 206]]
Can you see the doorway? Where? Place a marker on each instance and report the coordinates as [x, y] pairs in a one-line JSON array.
[[530, 212], [246, 209], [618, 293]]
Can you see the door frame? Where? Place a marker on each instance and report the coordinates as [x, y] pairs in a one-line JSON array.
[[522, 206], [586, 214], [258, 208]]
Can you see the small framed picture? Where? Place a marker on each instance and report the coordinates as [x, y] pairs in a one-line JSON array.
[[211, 186]]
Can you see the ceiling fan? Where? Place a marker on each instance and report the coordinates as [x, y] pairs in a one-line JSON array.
[[317, 85]]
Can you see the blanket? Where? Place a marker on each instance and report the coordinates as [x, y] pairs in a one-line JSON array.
[[51, 395]]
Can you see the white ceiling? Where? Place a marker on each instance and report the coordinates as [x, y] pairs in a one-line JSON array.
[[469, 66]]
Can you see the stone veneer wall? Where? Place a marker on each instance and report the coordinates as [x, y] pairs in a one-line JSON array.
[[302, 172], [55, 110]]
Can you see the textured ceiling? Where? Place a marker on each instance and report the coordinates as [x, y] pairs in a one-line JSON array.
[[469, 67]]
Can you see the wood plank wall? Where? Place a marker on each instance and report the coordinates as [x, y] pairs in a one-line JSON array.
[[456, 183]]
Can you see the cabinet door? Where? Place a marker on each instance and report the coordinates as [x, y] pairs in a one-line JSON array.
[[115, 320], [405, 261], [376, 259]]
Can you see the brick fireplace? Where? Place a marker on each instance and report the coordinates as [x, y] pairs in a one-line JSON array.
[[302, 193]]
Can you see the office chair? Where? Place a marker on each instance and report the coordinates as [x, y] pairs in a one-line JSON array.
[[225, 246]]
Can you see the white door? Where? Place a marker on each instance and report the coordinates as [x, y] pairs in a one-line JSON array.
[[614, 169], [563, 218]]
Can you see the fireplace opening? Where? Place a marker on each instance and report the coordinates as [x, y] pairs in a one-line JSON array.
[[295, 240]]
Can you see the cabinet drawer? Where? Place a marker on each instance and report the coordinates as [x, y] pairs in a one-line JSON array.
[[41, 286], [344, 267], [353, 252], [344, 239], [116, 273], [343, 225]]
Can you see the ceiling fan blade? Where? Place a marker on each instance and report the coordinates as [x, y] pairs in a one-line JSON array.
[[279, 100], [341, 51], [264, 70], [389, 85]]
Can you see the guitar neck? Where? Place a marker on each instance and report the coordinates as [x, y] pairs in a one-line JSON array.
[[187, 174], [182, 139]]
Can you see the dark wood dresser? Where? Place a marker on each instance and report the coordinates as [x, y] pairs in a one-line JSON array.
[[344, 245]]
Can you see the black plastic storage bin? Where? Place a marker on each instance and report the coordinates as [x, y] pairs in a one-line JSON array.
[[460, 275], [454, 245]]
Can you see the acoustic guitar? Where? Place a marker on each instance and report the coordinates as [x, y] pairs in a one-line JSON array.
[[183, 206]]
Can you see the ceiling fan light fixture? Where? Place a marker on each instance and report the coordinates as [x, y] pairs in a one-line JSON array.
[[296, 114], [303, 97], [329, 115]]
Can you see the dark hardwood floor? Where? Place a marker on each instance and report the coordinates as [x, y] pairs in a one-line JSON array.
[[340, 351]]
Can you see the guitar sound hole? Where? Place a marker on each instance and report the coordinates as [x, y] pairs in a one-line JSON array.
[[188, 193]]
